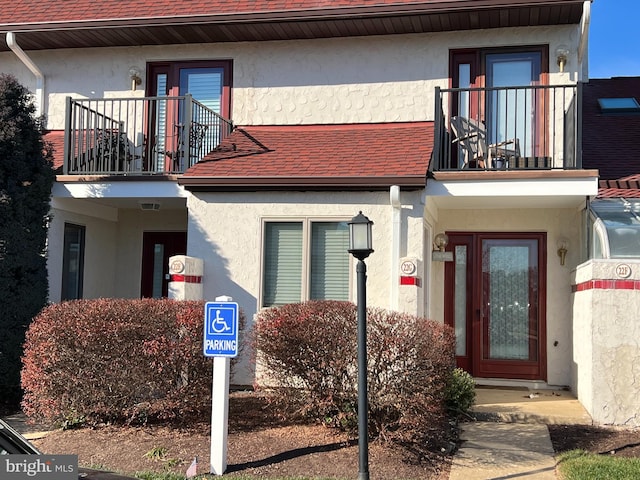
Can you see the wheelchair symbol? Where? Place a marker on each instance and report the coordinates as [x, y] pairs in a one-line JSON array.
[[219, 325]]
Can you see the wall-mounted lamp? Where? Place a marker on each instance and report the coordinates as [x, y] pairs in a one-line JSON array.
[[440, 242], [562, 54], [136, 79], [563, 243]]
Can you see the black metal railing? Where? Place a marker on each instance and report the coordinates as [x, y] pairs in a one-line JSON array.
[[139, 136], [524, 128]]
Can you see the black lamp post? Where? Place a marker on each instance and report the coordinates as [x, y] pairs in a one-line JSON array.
[[360, 248]]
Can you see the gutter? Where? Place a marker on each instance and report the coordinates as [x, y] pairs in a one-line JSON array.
[[24, 58], [396, 206], [584, 32]]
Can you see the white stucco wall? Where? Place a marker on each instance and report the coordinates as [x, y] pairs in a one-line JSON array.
[[606, 357], [345, 80], [226, 231], [556, 223], [113, 247], [131, 226], [100, 254]]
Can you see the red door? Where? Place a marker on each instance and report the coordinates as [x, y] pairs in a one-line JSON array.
[[157, 247], [495, 297]]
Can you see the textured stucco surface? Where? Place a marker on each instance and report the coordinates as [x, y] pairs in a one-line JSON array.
[[346, 80], [607, 345], [113, 249], [226, 231]]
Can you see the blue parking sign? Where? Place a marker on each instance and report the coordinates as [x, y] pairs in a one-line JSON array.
[[221, 329]]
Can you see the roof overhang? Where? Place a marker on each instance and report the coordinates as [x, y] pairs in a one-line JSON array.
[[282, 183], [325, 22], [512, 189]]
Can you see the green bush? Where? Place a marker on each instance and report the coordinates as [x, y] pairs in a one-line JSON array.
[[117, 360], [461, 392], [309, 351]]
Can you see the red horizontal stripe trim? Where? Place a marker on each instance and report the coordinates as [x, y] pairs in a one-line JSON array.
[[187, 278], [602, 284], [410, 281]]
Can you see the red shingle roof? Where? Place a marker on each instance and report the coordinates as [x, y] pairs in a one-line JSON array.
[[393, 150], [29, 12], [56, 140]]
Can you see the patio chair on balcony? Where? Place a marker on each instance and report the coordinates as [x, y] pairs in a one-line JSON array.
[[191, 147], [472, 138], [113, 151]]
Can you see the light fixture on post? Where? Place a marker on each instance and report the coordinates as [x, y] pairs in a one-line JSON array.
[[562, 53], [563, 243], [134, 75], [360, 247]]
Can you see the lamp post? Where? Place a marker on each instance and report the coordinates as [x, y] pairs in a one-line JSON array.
[[360, 248]]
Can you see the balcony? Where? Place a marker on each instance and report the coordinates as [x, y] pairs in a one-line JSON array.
[[507, 128], [139, 136]]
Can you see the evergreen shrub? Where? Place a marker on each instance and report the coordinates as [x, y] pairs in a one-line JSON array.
[[26, 177]]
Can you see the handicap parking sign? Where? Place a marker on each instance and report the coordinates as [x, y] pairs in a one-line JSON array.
[[221, 329]]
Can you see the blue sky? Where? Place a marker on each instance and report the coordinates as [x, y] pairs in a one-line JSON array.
[[614, 38]]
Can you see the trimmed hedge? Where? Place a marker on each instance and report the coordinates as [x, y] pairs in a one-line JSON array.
[[116, 360], [310, 351]]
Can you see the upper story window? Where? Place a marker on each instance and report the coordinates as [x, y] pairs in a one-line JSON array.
[[497, 95], [209, 82], [305, 260]]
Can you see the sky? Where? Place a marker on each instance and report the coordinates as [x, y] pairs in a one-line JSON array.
[[614, 38]]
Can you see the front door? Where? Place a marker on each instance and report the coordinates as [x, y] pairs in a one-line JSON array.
[[157, 247], [495, 297]]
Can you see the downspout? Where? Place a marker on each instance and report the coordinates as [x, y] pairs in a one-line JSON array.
[[584, 39], [396, 206], [24, 58]]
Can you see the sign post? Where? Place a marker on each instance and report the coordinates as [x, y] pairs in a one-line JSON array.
[[220, 342]]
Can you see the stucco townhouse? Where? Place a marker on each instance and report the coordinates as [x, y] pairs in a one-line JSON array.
[[248, 134]]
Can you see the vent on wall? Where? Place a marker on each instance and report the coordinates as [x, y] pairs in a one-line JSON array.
[[150, 206]]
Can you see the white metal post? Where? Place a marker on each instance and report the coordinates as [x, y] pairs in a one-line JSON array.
[[220, 409], [219, 414]]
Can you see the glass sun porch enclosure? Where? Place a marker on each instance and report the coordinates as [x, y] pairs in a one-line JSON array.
[[614, 228]]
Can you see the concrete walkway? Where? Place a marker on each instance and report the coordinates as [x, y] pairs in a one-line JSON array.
[[510, 440]]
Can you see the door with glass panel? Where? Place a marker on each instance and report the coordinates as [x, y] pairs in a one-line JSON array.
[[209, 84], [157, 247], [497, 93], [495, 302]]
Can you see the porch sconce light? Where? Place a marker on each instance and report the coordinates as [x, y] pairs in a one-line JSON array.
[[562, 249], [562, 53], [440, 242], [438, 254], [360, 248], [136, 79]]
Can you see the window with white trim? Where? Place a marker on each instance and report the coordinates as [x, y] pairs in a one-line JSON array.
[[305, 260]]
